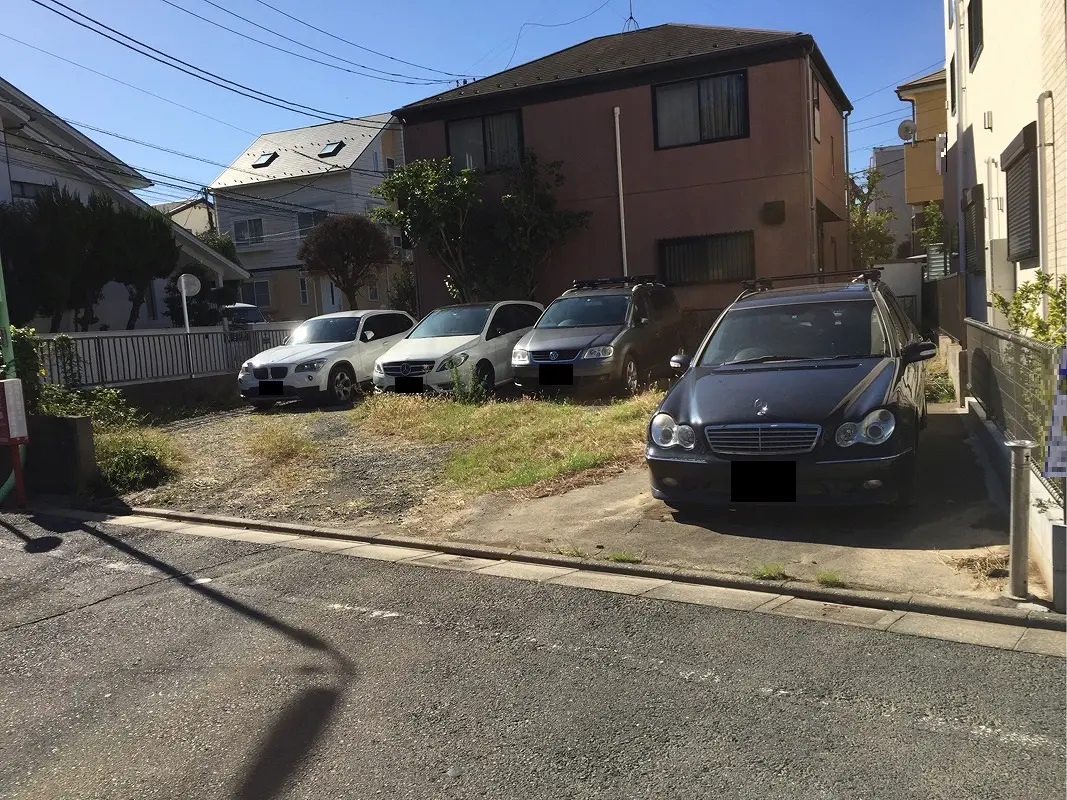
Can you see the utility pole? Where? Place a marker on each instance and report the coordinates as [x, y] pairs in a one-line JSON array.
[[210, 211]]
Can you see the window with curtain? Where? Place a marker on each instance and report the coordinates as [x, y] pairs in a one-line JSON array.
[[708, 259], [706, 110], [486, 142]]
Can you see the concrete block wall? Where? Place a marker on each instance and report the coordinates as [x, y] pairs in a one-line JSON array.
[[955, 358]]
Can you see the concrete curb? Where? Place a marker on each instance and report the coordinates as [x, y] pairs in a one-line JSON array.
[[887, 601]]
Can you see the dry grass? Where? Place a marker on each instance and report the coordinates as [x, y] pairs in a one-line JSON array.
[[989, 566], [276, 442], [504, 445]]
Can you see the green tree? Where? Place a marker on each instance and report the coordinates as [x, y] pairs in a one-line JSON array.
[[438, 209], [60, 243], [149, 253], [1023, 310], [871, 240], [221, 243], [21, 276], [205, 306], [403, 294], [494, 236], [348, 249], [933, 228]]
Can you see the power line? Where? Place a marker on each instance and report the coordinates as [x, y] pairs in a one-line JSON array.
[[359, 46], [924, 105], [551, 25], [894, 84], [124, 83], [214, 80], [397, 77]]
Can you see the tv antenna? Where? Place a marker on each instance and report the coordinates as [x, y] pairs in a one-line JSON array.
[[626, 25]]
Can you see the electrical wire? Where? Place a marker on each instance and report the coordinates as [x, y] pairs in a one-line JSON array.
[[359, 46], [897, 83], [192, 70], [399, 78], [550, 25], [124, 83]]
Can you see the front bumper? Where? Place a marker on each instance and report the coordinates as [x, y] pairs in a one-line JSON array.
[[302, 385], [702, 479], [563, 375], [430, 383]]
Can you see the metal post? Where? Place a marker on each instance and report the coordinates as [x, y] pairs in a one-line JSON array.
[[1019, 559]]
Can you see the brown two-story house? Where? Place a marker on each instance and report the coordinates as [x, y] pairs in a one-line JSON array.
[[728, 146]]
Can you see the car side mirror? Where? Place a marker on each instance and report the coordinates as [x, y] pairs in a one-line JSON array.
[[640, 322], [918, 351], [680, 362], [495, 333], [367, 335]]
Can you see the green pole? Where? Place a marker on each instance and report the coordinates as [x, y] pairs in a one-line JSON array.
[[10, 370]]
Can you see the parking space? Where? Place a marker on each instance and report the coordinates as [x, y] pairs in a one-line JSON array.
[[944, 544]]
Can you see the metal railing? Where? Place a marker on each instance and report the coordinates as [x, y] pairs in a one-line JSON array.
[[1014, 378], [144, 357]]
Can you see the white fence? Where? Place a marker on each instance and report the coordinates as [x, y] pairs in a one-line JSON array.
[[114, 358]]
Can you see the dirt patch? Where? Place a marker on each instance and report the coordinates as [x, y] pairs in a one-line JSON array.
[[314, 467]]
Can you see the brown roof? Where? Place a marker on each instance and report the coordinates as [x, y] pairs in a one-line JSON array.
[[608, 55], [936, 78]]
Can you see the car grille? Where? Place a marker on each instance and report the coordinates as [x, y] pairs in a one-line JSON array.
[[561, 355], [262, 373], [414, 367], [279, 372], [764, 440]]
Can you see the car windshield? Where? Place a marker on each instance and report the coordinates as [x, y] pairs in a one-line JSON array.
[[804, 331], [326, 329], [458, 321], [585, 312]]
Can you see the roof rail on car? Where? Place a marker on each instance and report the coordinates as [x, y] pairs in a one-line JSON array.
[[755, 285], [621, 280]]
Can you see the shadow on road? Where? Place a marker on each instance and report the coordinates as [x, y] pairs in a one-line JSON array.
[[34, 544], [952, 507], [303, 722]]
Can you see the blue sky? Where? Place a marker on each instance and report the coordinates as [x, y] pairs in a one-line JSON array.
[[476, 37]]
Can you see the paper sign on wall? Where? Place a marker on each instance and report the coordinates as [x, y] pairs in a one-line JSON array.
[[13, 428]]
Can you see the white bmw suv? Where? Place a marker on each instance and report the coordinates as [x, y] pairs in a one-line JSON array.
[[326, 358], [476, 339]]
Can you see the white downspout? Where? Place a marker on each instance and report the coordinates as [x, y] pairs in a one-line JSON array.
[[1042, 195], [961, 106], [622, 202]]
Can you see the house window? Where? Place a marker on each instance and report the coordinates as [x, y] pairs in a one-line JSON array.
[[264, 160], [21, 190], [372, 293], [303, 291], [390, 164], [398, 241], [306, 220], [331, 149], [486, 142], [248, 231], [816, 115], [974, 230], [951, 13], [1019, 162], [707, 110], [974, 31], [256, 293], [708, 259], [833, 158], [952, 84], [376, 161]]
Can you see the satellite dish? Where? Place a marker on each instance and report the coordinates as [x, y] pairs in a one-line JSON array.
[[906, 130], [189, 283]]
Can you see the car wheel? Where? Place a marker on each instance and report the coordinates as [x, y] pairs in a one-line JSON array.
[[341, 386], [485, 377], [630, 380]]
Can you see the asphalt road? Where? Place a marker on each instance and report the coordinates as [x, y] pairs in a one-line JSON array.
[[125, 674]]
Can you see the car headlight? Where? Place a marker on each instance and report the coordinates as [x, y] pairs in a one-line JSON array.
[[665, 432], [607, 351], [310, 366], [246, 368], [520, 357], [876, 428], [378, 369], [453, 362]]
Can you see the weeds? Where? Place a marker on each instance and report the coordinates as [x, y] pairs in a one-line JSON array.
[[939, 387], [770, 572], [134, 458], [273, 442], [830, 579], [624, 557], [571, 551]]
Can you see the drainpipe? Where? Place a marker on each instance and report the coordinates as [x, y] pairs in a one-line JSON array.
[[848, 200], [810, 132], [1042, 195], [622, 202], [961, 111]]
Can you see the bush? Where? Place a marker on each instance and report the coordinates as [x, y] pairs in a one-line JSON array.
[[107, 408], [28, 366], [135, 458]]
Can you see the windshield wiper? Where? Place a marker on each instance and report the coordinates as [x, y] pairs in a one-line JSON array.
[[762, 360], [850, 355]]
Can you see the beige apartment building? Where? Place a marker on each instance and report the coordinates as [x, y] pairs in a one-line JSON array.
[[923, 161]]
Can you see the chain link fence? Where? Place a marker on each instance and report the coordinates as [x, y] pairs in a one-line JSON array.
[[1014, 378]]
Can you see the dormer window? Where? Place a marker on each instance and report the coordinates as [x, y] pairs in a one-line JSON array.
[[264, 160], [331, 149]]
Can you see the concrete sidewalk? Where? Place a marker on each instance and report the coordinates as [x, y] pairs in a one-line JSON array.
[[878, 548]]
